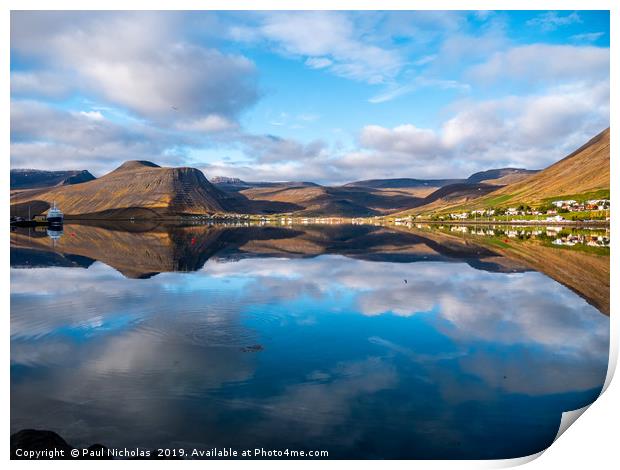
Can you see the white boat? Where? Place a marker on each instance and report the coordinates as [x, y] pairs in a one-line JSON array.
[[55, 215]]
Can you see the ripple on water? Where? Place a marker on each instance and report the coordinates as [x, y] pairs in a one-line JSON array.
[[205, 326]]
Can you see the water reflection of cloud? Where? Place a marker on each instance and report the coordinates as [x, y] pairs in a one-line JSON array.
[[128, 386], [166, 351], [323, 401], [551, 329], [515, 308]]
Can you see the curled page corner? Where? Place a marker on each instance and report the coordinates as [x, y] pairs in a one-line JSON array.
[[568, 418], [516, 462]]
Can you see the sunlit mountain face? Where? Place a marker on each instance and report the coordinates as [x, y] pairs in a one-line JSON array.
[[364, 341]]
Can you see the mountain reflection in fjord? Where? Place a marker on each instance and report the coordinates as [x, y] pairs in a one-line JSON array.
[[373, 344]]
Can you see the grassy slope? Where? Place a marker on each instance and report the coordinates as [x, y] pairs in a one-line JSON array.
[[583, 173]]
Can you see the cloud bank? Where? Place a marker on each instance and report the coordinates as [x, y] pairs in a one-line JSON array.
[[92, 89]]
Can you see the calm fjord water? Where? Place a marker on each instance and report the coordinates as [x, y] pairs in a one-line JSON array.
[[364, 341]]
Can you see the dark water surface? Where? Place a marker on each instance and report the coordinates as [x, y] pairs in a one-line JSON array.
[[368, 342]]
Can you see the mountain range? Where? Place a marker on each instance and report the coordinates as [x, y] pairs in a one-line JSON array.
[[141, 189]]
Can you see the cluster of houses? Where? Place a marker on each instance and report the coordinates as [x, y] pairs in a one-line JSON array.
[[246, 220], [301, 220], [562, 206], [578, 239], [574, 206], [555, 233], [473, 214]]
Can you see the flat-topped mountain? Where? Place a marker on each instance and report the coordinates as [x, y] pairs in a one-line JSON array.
[[30, 178], [134, 189], [227, 180]]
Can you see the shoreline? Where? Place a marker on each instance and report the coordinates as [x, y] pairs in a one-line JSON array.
[[601, 223], [333, 220]]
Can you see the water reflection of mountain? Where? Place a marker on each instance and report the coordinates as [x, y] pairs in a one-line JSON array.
[[173, 248], [585, 273], [29, 258], [140, 252]]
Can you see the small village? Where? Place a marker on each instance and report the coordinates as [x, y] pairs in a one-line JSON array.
[[552, 211], [557, 235], [555, 212]]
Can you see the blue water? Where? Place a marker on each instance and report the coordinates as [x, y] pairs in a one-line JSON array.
[[328, 352]]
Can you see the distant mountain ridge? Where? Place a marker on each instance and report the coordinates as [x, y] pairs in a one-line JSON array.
[[31, 178], [503, 174], [479, 177], [226, 180], [403, 183]]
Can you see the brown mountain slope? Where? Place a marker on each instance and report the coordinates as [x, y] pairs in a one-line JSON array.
[[508, 179], [136, 188], [454, 194], [362, 198], [583, 171], [329, 201]]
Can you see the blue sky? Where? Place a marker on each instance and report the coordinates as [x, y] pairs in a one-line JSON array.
[[325, 96]]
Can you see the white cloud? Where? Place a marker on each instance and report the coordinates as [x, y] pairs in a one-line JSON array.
[[326, 39], [544, 63], [587, 37], [407, 139], [189, 95], [531, 131], [271, 149], [551, 20], [318, 62], [44, 137], [94, 115], [394, 90], [43, 83], [208, 124], [144, 65], [425, 60]]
